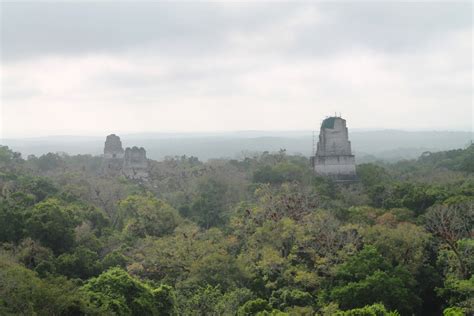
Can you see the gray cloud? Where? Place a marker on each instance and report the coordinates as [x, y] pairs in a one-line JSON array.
[[31, 29], [207, 66]]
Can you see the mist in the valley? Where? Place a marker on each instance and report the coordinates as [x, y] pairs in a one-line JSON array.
[[387, 145]]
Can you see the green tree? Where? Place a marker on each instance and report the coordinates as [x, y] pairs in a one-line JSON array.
[[114, 259], [254, 307], [39, 187], [52, 224], [282, 299], [35, 257], [23, 293], [142, 215], [453, 311], [405, 244], [204, 301], [12, 221], [217, 269], [279, 173], [371, 175], [367, 278], [81, 263], [208, 207], [49, 162], [458, 293], [369, 310], [116, 292]]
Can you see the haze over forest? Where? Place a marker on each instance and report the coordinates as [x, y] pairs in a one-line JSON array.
[[388, 145]]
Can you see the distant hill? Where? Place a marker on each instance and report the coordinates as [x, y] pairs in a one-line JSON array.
[[389, 145]]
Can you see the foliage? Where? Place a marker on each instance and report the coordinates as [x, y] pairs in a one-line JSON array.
[[283, 298], [459, 293], [24, 293], [369, 310], [259, 235], [453, 311], [116, 292], [254, 307], [207, 208], [145, 215], [368, 277], [52, 224], [459, 159], [81, 263], [280, 173]]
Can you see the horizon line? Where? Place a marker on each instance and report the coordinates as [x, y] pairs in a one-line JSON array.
[[222, 132]]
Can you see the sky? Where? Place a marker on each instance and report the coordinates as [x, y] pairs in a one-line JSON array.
[[94, 68]]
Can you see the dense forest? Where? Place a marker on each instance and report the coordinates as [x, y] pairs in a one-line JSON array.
[[257, 236]]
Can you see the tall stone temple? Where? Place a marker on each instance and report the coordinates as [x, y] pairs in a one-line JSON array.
[[333, 157], [131, 162]]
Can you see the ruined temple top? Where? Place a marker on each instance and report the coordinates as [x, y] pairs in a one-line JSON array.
[[135, 157], [334, 138], [113, 146]]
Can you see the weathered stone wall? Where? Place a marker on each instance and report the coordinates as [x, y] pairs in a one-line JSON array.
[[338, 166], [333, 156], [131, 162], [113, 147], [113, 156], [135, 163], [334, 138]]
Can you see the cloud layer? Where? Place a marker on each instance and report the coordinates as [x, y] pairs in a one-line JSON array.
[[100, 67]]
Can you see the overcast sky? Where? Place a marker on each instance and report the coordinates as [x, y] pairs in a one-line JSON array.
[[98, 67]]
